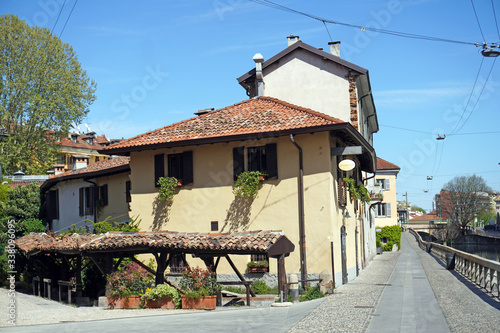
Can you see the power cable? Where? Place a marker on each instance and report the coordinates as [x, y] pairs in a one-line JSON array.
[[274, 5], [68, 19], [58, 16], [331, 40], [470, 96], [407, 129], [477, 19], [479, 97]]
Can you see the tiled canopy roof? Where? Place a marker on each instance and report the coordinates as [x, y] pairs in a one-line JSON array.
[[144, 242], [384, 165], [253, 116]]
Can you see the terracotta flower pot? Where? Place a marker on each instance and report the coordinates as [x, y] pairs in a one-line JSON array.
[[257, 269], [204, 302], [161, 303], [130, 302]]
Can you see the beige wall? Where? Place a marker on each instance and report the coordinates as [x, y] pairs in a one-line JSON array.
[[307, 80], [389, 196], [210, 198], [117, 207]]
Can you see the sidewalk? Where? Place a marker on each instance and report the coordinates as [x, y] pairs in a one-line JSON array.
[[408, 303]]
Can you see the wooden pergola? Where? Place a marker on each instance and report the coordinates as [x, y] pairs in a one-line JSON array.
[[163, 245]]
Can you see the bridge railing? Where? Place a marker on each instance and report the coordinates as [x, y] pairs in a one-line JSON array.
[[483, 272]]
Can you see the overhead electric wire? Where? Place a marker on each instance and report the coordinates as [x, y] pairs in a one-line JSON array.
[[331, 40], [470, 96], [407, 129], [68, 18], [477, 19], [58, 16], [479, 97], [384, 31]]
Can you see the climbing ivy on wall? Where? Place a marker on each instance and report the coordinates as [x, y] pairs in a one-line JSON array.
[[392, 235]]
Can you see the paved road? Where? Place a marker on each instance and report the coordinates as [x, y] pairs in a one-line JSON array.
[[408, 303], [233, 320]]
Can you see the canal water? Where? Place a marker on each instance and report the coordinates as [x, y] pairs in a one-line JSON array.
[[486, 251]]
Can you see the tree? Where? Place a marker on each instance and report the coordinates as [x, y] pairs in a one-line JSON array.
[[466, 197], [43, 91], [418, 209]]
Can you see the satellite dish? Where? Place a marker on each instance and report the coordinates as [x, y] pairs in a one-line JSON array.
[[347, 165]]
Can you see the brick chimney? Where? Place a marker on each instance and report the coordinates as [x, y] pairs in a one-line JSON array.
[[58, 168], [80, 161]]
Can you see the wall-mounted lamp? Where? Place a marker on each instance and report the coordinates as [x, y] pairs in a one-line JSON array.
[[347, 214]]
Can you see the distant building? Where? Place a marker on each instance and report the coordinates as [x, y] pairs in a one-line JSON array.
[[386, 212]]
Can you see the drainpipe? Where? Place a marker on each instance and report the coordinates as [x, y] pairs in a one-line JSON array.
[[302, 231], [94, 195]]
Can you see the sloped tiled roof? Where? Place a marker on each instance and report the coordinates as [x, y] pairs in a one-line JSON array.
[[244, 242], [100, 168], [425, 217], [97, 166], [385, 165], [253, 116], [36, 242]]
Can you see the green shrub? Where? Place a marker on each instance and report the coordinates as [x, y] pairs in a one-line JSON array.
[[163, 290], [310, 294], [392, 234], [237, 290], [261, 288]]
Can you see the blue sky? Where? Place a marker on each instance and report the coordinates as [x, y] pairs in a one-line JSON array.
[[156, 62]]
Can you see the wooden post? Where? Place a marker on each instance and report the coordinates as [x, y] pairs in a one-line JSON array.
[[282, 275], [79, 276], [238, 273]]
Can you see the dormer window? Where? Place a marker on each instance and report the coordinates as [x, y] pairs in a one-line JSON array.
[[73, 138]]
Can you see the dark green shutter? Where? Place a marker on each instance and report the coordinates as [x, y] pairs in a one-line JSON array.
[[238, 161], [159, 167], [187, 167], [272, 161]]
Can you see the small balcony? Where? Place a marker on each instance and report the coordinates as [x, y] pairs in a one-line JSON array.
[[376, 194]]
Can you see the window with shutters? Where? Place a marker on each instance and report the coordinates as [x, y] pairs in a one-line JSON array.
[[53, 205], [385, 183], [261, 158], [86, 201], [103, 195], [159, 167], [383, 210]]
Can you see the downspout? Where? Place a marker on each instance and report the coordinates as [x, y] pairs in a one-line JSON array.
[[302, 231], [94, 195]]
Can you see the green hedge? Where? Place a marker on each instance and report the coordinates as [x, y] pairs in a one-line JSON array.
[[393, 235]]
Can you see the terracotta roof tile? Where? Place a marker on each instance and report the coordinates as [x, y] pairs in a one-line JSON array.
[[253, 116], [253, 241], [97, 166], [384, 165]]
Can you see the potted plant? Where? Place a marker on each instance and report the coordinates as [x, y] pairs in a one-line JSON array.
[[350, 183], [167, 187], [363, 193], [126, 285], [247, 184], [201, 288], [258, 266], [163, 296]]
